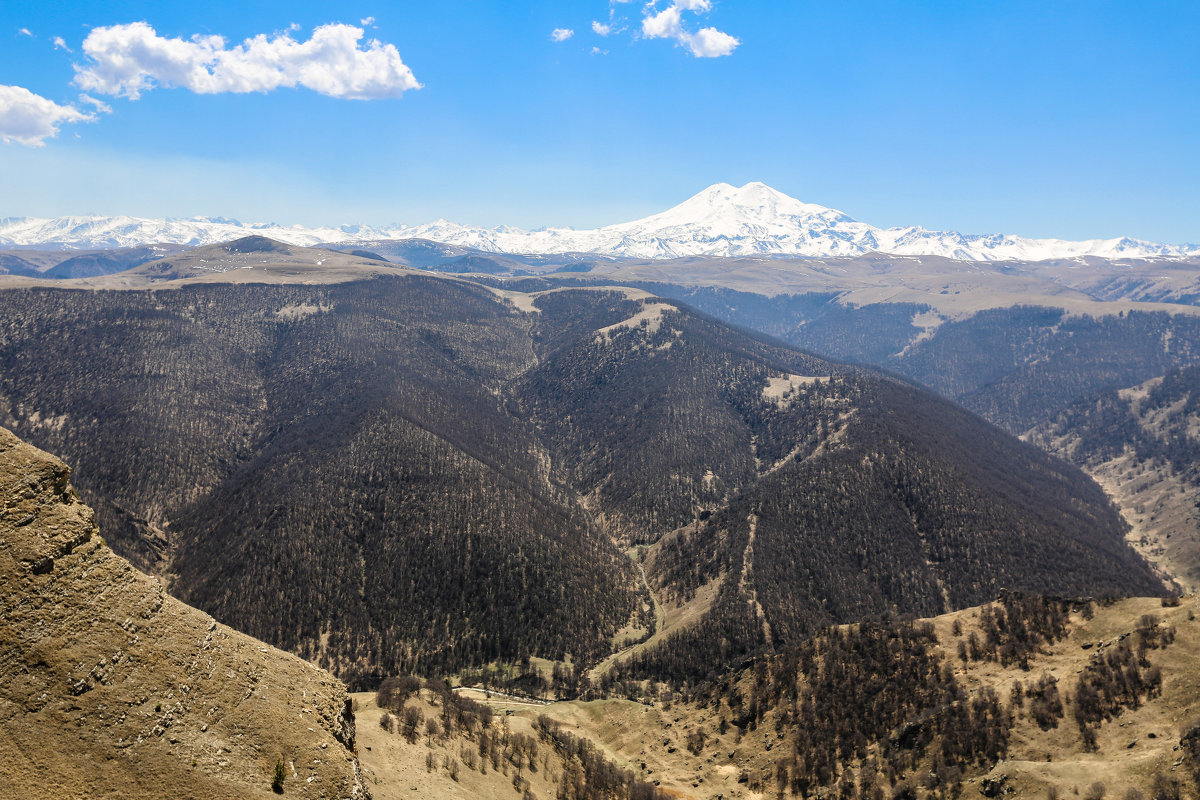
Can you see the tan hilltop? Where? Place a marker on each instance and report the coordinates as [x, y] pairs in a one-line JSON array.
[[251, 259], [111, 688]]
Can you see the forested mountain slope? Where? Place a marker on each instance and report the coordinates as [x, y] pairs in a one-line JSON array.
[[415, 473], [1013, 355], [795, 493], [342, 450], [1142, 443], [1017, 366]]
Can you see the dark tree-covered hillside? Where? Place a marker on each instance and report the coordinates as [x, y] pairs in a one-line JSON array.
[[413, 474], [841, 497], [331, 469], [1157, 425], [1017, 367]]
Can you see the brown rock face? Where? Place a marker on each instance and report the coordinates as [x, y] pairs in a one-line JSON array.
[[111, 688]]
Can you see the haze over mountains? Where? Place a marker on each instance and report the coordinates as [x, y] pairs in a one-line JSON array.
[[722, 220]]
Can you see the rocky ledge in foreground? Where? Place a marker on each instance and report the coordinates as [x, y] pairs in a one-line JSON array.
[[111, 688]]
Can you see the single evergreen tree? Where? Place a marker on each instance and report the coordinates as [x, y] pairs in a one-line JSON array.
[[277, 781]]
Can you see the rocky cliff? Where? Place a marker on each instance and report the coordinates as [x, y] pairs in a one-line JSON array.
[[111, 688]]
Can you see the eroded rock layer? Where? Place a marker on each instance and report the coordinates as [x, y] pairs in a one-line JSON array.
[[111, 688]]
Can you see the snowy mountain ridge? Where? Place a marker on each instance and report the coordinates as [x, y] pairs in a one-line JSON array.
[[722, 220]]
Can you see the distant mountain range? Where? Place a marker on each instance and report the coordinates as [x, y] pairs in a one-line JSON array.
[[722, 220]]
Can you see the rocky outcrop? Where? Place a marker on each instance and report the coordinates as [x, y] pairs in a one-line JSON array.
[[110, 687]]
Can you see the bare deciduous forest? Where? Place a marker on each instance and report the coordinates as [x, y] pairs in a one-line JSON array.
[[412, 475]]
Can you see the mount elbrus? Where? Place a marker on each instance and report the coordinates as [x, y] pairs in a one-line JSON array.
[[722, 220]]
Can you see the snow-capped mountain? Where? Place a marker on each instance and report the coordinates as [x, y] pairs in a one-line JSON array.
[[722, 220], [86, 233]]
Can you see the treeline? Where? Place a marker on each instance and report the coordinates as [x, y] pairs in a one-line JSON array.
[[1018, 627], [587, 773], [1119, 676], [854, 710], [859, 707], [1155, 427]]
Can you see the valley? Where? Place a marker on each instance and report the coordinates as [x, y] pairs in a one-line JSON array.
[[1057, 698], [1139, 443], [335, 444], [630, 502]]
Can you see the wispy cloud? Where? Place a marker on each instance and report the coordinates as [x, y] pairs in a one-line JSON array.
[[126, 60], [61, 44], [561, 34], [30, 119], [100, 106], [25, 32], [601, 29], [669, 24]]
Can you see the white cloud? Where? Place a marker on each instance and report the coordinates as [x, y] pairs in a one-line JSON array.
[[31, 119], [367, 22], [668, 24], [129, 59], [561, 34], [25, 32], [710, 43], [601, 29], [596, 51], [61, 44]]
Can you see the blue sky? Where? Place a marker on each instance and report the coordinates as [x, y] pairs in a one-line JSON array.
[[1069, 119]]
